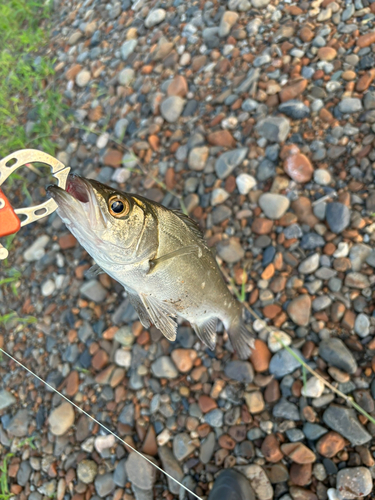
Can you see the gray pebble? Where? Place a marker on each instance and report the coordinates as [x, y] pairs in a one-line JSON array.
[[172, 107], [335, 353], [338, 216], [344, 421], [228, 161], [163, 367], [182, 446], [242, 371], [274, 128], [354, 482], [94, 290]]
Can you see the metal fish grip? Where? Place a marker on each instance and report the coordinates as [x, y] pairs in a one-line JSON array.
[[10, 222]]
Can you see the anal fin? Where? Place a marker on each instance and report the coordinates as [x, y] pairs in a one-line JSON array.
[[161, 315], [206, 332]]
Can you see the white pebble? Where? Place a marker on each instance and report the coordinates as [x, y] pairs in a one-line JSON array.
[[36, 250], [322, 177], [313, 389], [123, 358], [48, 288], [273, 343], [104, 442], [163, 437], [245, 183], [218, 195], [342, 250]]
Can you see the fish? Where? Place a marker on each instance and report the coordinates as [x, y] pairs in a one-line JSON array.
[[158, 255]]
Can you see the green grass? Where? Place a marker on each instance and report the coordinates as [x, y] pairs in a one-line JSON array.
[[25, 86], [14, 316], [4, 488]]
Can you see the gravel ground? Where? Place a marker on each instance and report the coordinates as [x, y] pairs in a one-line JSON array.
[[260, 116]]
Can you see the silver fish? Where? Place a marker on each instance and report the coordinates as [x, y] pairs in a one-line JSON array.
[[158, 255]]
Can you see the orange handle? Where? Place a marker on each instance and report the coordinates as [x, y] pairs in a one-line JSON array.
[[9, 222]]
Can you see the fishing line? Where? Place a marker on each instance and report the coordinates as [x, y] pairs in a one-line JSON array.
[[99, 423]]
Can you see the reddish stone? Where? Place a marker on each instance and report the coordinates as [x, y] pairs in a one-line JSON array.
[[293, 90], [300, 474], [184, 359], [327, 53], [261, 225], [72, 383], [73, 71], [298, 452], [271, 449], [221, 138], [67, 241], [150, 446], [271, 311], [227, 442], [299, 168], [178, 86], [366, 40], [113, 158], [330, 444], [306, 34], [206, 403], [272, 392], [303, 210], [260, 356], [100, 360], [365, 81], [326, 116]]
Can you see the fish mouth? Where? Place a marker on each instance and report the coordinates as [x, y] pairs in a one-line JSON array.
[[77, 204]]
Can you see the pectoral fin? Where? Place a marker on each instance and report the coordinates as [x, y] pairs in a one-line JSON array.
[[161, 315], [206, 332], [94, 271], [138, 305], [156, 264]]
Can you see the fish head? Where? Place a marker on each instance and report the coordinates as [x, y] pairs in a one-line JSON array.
[[108, 223]]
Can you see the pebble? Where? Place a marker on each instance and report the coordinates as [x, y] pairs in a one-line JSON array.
[[245, 183], [274, 205], [314, 388], [228, 20], [182, 446], [155, 17], [322, 177], [344, 421], [230, 251], [299, 168], [127, 48], [362, 325], [172, 107], [283, 363], [335, 353], [126, 76], [299, 310], [228, 161], [350, 105], [338, 217], [354, 482], [87, 471], [172, 467], [242, 371], [258, 480], [310, 264], [94, 290], [163, 367], [6, 399], [61, 419], [37, 249], [83, 78], [141, 474], [274, 128]]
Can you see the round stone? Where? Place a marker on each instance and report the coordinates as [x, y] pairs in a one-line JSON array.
[[61, 419], [354, 482], [245, 183], [87, 471], [274, 205], [83, 78]]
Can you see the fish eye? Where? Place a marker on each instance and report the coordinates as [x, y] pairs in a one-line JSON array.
[[118, 207]]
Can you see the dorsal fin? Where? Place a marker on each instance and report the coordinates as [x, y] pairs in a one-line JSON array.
[[190, 223]]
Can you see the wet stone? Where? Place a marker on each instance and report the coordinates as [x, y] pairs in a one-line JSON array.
[[19, 424], [335, 353], [242, 371], [104, 484], [164, 367], [274, 128], [283, 363], [344, 421], [354, 482], [87, 471], [338, 216], [182, 446], [140, 473]]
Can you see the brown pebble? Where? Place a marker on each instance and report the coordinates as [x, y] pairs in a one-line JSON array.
[[366, 40], [299, 168], [221, 138], [330, 444], [227, 442], [300, 474], [260, 356], [100, 360], [113, 158], [261, 225], [178, 86], [184, 359], [272, 392], [327, 53], [293, 90], [67, 241], [298, 452], [206, 403], [271, 449]]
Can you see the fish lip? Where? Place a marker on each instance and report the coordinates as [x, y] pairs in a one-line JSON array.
[[78, 201]]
